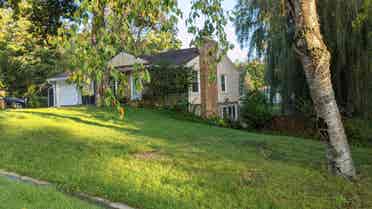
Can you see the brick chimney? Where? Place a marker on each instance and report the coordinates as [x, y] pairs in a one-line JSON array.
[[208, 78]]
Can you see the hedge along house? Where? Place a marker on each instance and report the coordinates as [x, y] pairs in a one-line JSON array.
[[217, 97]]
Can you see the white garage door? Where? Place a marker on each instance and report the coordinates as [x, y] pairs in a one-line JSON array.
[[68, 94]]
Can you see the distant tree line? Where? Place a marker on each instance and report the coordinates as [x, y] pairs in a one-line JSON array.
[[27, 57]]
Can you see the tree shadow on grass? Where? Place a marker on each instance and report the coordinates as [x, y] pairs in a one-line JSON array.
[[211, 141], [79, 120], [201, 140], [76, 163]]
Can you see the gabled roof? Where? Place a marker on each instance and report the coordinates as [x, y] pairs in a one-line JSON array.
[[124, 59], [172, 57]]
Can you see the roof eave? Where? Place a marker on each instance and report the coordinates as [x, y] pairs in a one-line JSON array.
[[57, 79]]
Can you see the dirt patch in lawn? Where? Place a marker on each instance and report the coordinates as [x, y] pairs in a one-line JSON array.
[[149, 155]]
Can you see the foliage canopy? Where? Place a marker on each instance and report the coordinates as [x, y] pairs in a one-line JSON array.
[[346, 27]]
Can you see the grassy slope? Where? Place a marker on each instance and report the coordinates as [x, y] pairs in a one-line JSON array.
[[153, 161], [17, 195]]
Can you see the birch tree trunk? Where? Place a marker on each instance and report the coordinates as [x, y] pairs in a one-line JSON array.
[[315, 58]]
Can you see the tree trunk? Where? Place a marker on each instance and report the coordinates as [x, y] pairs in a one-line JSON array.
[[315, 58], [97, 84], [97, 24], [2, 101], [97, 94]]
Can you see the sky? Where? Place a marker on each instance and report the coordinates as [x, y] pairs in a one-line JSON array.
[[236, 54]]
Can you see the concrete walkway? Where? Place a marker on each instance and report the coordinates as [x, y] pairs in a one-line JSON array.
[[97, 200]]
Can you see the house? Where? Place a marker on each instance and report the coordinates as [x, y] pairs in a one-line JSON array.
[[206, 97]]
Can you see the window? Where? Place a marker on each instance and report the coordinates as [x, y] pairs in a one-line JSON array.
[[195, 83], [223, 83], [241, 83], [224, 113], [114, 86], [229, 112]]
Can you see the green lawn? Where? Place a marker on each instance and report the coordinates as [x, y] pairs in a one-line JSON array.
[[151, 160], [18, 195]]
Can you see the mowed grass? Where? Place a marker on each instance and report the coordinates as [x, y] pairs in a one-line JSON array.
[[18, 195], [152, 160]]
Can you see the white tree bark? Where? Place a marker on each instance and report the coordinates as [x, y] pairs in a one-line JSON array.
[[315, 58]]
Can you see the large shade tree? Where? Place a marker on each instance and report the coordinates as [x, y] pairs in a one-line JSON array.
[[103, 28], [26, 56], [345, 26], [46, 15], [310, 48]]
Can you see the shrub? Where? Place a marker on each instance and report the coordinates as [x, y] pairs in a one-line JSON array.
[[34, 99], [2, 85], [189, 116], [168, 86], [256, 110], [181, 105], [358, 131], [37, 101]]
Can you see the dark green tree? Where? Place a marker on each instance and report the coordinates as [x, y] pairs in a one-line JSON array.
[[26, 55], [26, 60], [48, 15], [346, 26]]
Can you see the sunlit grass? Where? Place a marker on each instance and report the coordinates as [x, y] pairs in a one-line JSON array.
[[151, 160], [18, 195]]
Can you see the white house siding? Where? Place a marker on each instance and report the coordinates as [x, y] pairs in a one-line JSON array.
[[228, 99], [226, 67], [225, 99], [194, 97]]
